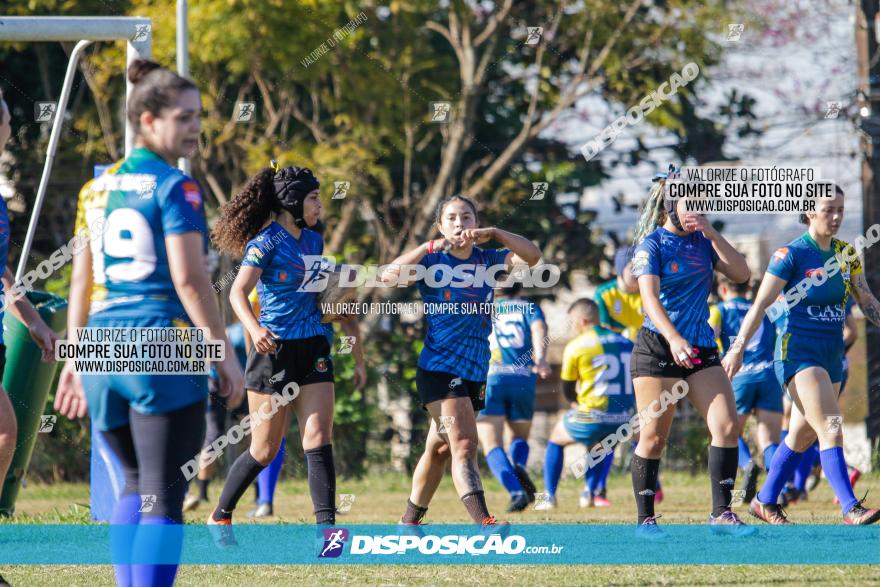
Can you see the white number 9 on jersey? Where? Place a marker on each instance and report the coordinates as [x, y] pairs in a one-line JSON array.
[[129, 236]]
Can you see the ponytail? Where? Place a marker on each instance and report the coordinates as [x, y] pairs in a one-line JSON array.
[[653, 213], [155, 88]]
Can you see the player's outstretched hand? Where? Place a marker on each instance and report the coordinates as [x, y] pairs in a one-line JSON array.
[[732, 362], [231, 382], [696, 222], [478, 236], [45, 338], [70, 399], [360, 376], [543, 369]]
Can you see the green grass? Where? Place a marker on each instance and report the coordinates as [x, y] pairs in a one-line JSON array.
[[380, 499]]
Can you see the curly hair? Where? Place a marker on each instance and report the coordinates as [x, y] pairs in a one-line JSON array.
[[244, 216]]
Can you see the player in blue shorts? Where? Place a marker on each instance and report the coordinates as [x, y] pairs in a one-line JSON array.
[[454, 362], [272, 222], [21, 309], [675, 260], [596, 381], [818, 274], [808, 473], [518, 345], [755, 387], [150, 270]]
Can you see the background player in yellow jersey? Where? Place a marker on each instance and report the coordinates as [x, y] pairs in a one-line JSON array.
[[618, 300], [620, 310], [596, 380]]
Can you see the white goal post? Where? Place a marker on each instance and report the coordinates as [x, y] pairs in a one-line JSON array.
[[83, 30]]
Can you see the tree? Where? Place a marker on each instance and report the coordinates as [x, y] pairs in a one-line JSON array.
[[347, 90]]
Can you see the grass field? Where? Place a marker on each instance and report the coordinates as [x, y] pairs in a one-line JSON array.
[[380, 499]]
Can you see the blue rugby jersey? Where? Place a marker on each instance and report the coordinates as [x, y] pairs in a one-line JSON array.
[[510, 343], [822, 311], [146, 200], [284, 309], [758, 353], [685, 265], [458, 342]]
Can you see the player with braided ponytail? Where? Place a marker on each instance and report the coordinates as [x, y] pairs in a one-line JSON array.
[[652, 215], [674, 261]]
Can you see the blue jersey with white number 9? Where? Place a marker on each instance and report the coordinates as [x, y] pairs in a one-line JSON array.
[[147, 200]]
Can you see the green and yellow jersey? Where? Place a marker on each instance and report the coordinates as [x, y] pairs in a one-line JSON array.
[[598, 360], [618, 310], [90, 206]]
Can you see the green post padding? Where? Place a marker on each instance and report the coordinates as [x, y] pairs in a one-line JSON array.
[[28, 381]]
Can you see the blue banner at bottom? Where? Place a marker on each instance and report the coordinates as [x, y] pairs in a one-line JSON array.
[[251, 544]]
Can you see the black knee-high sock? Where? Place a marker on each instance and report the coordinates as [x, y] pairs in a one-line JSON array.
[[203, 488], [243, 472], [413, 514], [723, 463], [475, 504], [322, 483], [644, 480]]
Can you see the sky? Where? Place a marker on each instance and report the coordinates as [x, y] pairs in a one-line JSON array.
[[802, 60]]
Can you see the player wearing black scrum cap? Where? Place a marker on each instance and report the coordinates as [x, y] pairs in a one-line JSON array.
[[272, 222]]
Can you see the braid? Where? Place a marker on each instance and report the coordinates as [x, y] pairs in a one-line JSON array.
[[652, 212]]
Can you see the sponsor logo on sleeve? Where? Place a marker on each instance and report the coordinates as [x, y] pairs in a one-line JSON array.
[[192, 194]]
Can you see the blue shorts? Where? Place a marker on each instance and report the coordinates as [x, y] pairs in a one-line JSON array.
[[796, 352], [511, 396], [587, 434], [762, 393], [111, 396]]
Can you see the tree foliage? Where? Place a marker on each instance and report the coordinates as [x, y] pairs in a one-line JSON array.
[[354, 104]]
